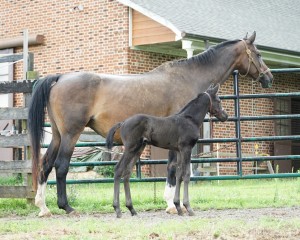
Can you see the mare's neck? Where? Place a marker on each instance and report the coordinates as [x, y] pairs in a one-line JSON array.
[[197, 109], [217, 70]]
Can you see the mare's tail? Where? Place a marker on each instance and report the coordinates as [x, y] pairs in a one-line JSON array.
[[36, 119], [110, 135]]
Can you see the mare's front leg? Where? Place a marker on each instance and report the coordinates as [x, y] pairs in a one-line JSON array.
[[171, 182], [186, 180], [62, 163], [48, 162]]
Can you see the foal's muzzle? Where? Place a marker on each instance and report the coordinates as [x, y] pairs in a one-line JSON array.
[[222, 116]]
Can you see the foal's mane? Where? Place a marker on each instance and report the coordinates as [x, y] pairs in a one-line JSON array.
[[190, 103], [206, 57]]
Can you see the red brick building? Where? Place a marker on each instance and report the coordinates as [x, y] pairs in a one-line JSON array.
[[125, 37]]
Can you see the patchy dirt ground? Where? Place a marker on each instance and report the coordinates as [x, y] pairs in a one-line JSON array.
[[260, 224]]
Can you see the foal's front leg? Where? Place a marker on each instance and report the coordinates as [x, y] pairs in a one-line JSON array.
[[186, 181], [171, 182]]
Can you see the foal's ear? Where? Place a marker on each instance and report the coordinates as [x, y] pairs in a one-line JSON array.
[[251, 39], [214, 90]]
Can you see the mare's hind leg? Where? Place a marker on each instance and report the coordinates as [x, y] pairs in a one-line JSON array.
[[48, 162], [62, 163]]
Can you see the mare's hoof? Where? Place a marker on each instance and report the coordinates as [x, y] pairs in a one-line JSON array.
[[119, 215], [45, 214]]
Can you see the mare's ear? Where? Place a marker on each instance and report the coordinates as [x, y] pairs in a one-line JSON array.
[[245, 38], [251, 39]]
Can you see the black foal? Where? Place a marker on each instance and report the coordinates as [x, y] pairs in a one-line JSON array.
[[178, 132]]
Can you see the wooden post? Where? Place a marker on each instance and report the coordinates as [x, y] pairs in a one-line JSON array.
[[28, 68]]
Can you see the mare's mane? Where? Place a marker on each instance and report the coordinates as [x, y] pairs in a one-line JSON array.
[[206, 57]]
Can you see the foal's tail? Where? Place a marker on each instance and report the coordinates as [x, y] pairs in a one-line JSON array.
[[110, 135], [36, 119]]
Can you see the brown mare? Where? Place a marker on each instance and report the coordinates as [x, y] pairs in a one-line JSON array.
[[98, 101]]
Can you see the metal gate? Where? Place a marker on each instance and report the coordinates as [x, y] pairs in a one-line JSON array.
[[238, 140]]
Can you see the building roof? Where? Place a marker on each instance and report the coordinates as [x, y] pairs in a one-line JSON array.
[[276, 22]]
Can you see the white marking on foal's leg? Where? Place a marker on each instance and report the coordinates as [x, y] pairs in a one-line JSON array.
[[40, 200], [169, 198]]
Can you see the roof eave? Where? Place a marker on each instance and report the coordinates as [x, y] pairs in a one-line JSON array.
[[276, 55], [153, 16]]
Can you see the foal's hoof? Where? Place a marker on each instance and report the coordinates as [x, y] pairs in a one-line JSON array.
[[70, 210], [191, 213], [173, 210], [74, 213], [133, 212], [180, 212], [119, 213]]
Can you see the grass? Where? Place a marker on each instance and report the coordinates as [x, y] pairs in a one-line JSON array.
[[93, 199], [97, 198]]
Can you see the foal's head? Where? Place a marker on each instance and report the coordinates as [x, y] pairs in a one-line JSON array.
[[216, 108]]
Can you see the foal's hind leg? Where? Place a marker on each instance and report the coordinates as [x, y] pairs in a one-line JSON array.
[[124, 168], [48, 162], [126, 174], [117, 179]]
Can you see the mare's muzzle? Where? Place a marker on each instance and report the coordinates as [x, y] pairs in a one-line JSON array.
[[265, 79]]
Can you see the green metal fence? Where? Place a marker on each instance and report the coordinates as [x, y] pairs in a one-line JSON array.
[[237, 139]]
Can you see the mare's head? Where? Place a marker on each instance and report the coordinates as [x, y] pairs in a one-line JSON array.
[[216, 108], [252, 64]]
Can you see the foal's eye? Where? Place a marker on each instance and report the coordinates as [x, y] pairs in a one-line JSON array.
[[258, 55]]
